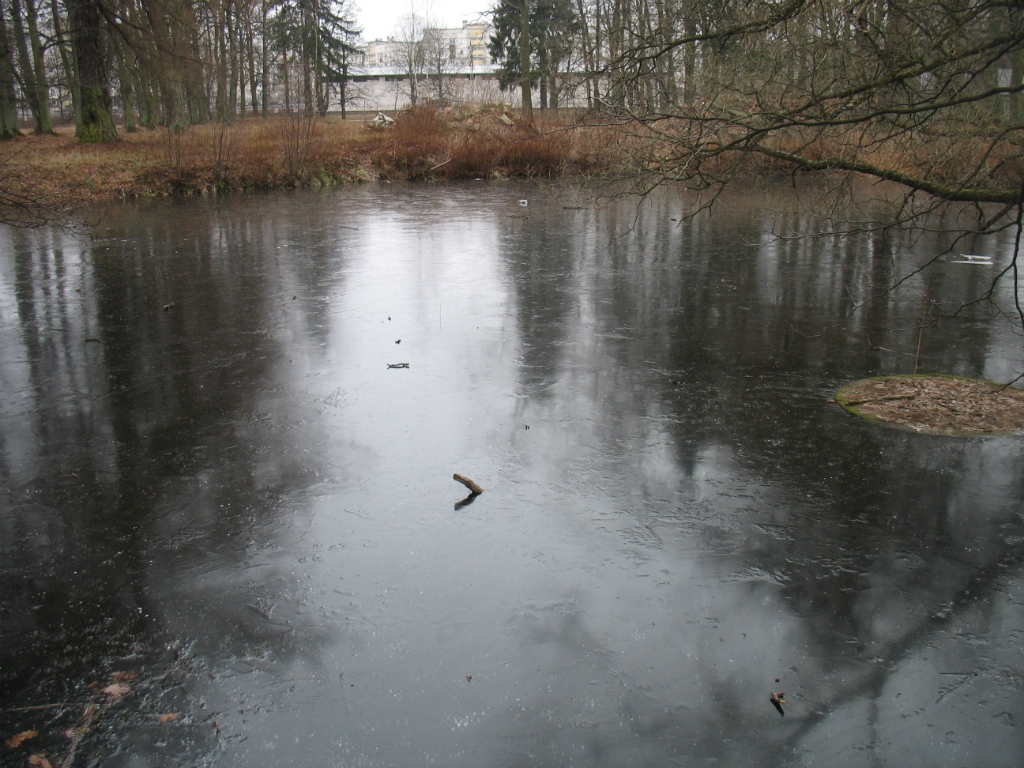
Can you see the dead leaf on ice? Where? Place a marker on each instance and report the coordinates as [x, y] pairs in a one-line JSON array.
[[116, 690], [168, 717], [16, 739]]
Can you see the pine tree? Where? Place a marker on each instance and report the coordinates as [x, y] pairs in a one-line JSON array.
[[552, 26], [337, 34]]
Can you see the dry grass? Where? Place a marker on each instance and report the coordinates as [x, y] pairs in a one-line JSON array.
[[464, 143], [255, 154], [936, 404], [429, 142]]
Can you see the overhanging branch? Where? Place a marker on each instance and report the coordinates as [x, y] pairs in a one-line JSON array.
[[950, 194]]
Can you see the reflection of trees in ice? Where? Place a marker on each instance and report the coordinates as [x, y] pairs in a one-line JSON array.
[[117, 500], [833, 555], [686, 520]]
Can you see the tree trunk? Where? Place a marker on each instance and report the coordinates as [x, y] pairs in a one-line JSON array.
[[588, 53], [525, 83], [128, 102], [147, 101], [616, 35], [690, 59], [287, 84], [25, 69], [233, 61], [308, 53], [195, 92], [45, 125], [264, 59], [95, 122], [66, 57], [8, 104], [250, 51], [127, 83], [342, 89], [1016, 76], [543, 63], [221, 64]]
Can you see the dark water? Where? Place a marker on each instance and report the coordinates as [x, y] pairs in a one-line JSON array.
[[234, 510]]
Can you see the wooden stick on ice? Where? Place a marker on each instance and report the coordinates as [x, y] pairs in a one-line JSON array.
[[468, 483]]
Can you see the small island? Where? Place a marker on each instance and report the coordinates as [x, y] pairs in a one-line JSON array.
[[937, 404]]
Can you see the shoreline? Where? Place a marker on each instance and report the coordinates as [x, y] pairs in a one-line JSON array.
[[49, 177], [293, 151]]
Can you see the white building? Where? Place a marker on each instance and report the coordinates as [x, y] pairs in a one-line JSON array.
[[381, 53], [466, 45]]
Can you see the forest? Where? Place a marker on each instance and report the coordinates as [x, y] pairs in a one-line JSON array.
[[168, 62], [923, 93]]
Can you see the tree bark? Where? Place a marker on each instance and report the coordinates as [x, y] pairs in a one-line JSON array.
[[94, 121], [307, 53], [66, 57], [526, 86], [44, 123], [1016, 78], [234, 60], [25, 68], [588, 53], [264, 59], [127, 86], [8, 105], [221, 63], [251, 60]]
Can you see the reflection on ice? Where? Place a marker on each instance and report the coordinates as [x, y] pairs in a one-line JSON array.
[[239, 502]]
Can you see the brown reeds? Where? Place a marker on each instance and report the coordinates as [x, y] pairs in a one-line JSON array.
[[430, 142], [427, 142]]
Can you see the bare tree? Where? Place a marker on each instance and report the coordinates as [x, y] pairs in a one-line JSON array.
[[409, 55], [923, 95], [439, 61], [911, 91]]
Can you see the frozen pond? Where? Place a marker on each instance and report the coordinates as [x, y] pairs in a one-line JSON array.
[[216, 496]]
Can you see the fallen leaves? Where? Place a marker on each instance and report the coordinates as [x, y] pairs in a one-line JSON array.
[[116, 690], [16, 739], [167, 718], [118, 686], [777, 700], [936, 404]]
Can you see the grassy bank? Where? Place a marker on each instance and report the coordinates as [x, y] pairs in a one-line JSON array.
[[54, 173], [294, 151]]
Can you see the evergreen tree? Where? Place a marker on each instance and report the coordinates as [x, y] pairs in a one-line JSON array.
[[337, 34], [552, 26], [322, 34]]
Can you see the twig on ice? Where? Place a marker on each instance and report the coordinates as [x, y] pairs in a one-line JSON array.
[[468, 483]]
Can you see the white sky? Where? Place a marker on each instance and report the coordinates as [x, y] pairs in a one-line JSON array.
[[378, 18]]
